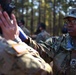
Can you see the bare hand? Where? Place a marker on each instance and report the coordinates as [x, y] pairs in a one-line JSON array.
[[9, 30]]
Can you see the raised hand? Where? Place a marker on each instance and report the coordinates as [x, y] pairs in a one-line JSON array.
[[9, 29]]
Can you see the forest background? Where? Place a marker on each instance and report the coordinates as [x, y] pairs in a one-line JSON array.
[[50, 12]]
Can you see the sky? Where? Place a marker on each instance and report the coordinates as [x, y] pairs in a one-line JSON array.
[[30, 0]]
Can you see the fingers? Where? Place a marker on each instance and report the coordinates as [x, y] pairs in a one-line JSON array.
[[9, 30], [2, 18], [7, 18], [14, 20], [2, 25]]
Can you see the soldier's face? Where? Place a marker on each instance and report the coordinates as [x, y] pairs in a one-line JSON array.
[[71, 25]]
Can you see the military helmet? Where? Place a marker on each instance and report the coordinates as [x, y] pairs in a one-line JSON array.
[[71, 13]]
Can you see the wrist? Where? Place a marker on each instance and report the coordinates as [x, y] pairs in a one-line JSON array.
[[17, 39]]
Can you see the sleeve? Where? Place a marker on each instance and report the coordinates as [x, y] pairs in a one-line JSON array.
[[33, 64], [39, 38], [28, 59], [44, 48], [21, 59]]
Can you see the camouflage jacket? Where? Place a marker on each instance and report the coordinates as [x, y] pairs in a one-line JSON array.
[[42, 36], [61, 50], [20, 59]]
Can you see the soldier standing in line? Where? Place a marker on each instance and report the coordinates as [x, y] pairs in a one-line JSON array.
[[41, 33]]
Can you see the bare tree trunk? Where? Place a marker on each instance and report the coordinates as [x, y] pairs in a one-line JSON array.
[[54, 19], [26, 23], [22, 8], [39, 18], [31, 18], [45, 12]]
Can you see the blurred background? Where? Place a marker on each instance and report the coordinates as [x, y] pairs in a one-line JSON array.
[[50, 12]]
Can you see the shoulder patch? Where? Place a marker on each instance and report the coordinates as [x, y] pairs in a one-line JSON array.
[[17, 48]]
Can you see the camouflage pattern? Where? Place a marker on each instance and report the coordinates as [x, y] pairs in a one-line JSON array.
[[20, 59], [42, 36], [61, 50]]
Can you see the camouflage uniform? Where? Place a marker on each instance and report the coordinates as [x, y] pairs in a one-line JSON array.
[[20, 59], [42, 36], [61, 50]]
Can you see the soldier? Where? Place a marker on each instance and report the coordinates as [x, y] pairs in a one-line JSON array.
[[16, 57], [61, 50], [41, 33]]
